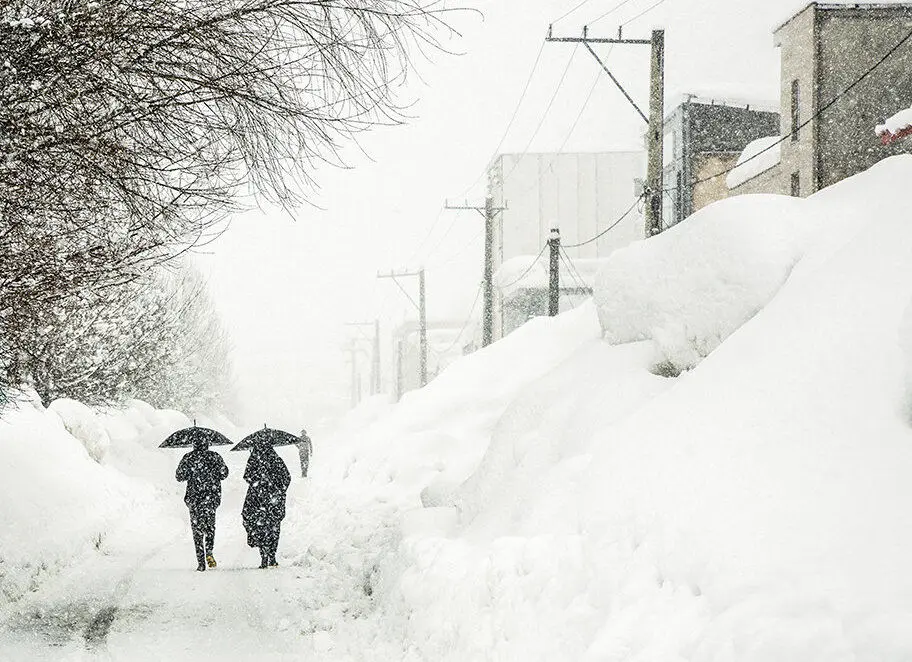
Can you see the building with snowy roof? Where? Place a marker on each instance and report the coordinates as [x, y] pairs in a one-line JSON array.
[[703, 137], [841, 74]]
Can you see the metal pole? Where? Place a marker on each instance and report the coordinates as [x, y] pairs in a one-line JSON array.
[[375, 363], [554, 280], [422, 321], [488, 315], [654, 174]]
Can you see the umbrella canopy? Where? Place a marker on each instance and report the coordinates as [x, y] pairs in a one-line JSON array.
[[267, 436], [188, 437]]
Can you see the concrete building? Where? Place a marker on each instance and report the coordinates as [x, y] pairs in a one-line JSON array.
[[582, 193], [704, 137], [825, 48]]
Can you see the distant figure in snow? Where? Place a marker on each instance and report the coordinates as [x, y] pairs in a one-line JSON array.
[[264, 507], [203, 470], [305, 449]]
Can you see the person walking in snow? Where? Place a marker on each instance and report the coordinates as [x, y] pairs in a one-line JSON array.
[[305, 450], [264, 506], [203, 470]]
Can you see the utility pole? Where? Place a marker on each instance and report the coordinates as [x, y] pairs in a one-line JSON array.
[[422, 329], [375, 382], [353, 349], [489, 212], [655, 120], [655, 169], [421, 306], [554, 275]]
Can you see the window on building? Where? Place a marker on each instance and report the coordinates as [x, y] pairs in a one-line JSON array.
[[796, 105], [796, 185]]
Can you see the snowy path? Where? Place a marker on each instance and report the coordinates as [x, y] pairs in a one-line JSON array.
[[142, 599]]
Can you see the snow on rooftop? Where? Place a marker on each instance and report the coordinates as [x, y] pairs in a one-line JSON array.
[[758, 157]]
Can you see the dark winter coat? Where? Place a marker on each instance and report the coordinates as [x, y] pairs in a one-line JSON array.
[[204, 470], [264, 507]]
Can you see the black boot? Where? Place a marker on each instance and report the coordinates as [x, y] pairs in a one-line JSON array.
[[264, 558]]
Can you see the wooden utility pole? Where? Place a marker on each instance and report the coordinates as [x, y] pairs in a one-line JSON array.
[[421, 306], [422, 330], [489, 212], [554, 273], [655, 170], [375, 381], [353, 349], [655, 120]]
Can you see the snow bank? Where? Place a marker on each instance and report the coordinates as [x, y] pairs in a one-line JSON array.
[[84, 424], [692, 286], [756, 508], [56, 498], [435, 436], [70, 477], [759, 156]]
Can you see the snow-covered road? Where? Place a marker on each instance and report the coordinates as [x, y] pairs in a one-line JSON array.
[[138, 597]]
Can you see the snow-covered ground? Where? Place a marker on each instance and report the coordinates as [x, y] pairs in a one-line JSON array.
[[708, 462]]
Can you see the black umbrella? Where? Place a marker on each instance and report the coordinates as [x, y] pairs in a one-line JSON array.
[[267, 436], [188, 437]]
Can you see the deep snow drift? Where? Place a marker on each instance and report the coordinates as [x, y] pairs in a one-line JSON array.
[[754, 508], [556, 496]]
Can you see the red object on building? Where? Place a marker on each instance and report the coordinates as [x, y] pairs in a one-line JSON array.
[[888, 138]]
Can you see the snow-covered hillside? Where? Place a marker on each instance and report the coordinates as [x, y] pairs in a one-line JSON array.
[[753, 508]]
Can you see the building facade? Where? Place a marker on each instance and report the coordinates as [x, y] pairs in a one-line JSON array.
[[704, 137], [825, 49], [581, 193]]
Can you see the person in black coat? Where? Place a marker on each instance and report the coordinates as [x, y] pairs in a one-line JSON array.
[[264, 507], [203, 470]]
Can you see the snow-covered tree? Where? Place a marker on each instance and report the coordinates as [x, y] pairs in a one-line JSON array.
[[129, 128], [159, 339]]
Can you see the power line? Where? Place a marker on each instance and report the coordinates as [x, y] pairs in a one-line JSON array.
[[610, 11], [642, 13], [466, 323], [544, 116], [579, 116], [609, 228], [573, 271], [570, 11], [510, 123], [815, 116], [526, 272]]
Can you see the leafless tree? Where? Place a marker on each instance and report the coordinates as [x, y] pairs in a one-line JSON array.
[[130, 128]]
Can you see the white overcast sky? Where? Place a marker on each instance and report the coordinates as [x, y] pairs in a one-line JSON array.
[[285, 287]]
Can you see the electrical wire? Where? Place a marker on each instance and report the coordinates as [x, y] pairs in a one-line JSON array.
[[544, 116], [570, 11], [578, 278], [579, 116], [610, 11], [642, 13], [522, 96], [466, 323], [526, 272], [814, 117], [610, 227], [574, 274]]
